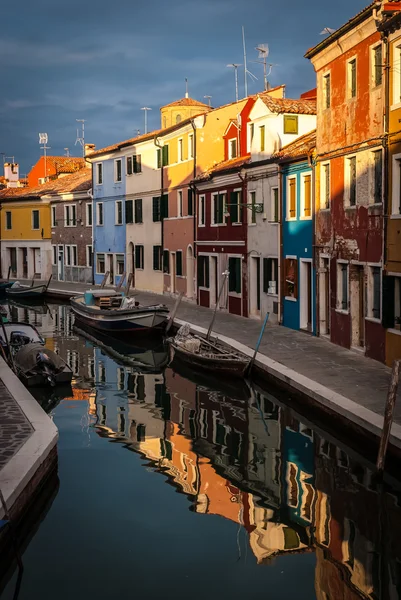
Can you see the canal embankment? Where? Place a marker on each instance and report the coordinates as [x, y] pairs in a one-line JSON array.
[[343, 384], [28, 446]]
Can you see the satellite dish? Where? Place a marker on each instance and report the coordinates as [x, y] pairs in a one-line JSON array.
[[263, 50], [327, 30], [43, 138]]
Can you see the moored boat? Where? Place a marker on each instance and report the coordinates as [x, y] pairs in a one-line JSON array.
[[111, 311], [21, 291]]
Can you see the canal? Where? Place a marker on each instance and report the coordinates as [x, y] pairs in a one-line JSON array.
[[173, 486]]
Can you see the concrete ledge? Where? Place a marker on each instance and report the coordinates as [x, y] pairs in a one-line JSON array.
[[323, 396], [22, 467]]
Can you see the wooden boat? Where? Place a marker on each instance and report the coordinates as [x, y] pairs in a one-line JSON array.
[[4, 285], [111, 311], [34, 364], [202, 354], [21, 291]]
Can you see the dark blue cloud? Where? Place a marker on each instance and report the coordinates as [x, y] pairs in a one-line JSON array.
[[102, 61]]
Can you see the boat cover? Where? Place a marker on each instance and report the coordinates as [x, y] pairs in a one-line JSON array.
[[26, 357]]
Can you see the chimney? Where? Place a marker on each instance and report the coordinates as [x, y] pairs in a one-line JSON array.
[[11, 174], [89, 149]]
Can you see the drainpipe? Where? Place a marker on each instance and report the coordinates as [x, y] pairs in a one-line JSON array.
[[281, 253], [245, 212], [1, 258], [158, 145], [90, 194], [194, 205], [386, 146], [315, 261]]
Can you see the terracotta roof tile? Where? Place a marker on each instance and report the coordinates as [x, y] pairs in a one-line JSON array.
[[65, 164], [300, 148], [76, 182], [186, 102], [225, 165], [287, 105]]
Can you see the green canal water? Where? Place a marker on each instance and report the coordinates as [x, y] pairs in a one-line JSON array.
[[173, 486]]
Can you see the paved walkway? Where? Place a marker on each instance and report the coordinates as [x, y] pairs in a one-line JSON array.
[[345, 372]]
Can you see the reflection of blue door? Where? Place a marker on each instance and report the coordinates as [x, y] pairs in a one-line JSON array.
[[60, 272]]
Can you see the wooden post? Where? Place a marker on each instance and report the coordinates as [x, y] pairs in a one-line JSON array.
[[9, 273], [128, 286], [209, 331], [174, 312], [48, 283], [120, 283], [388, 416], [105, 279], [250, 365]]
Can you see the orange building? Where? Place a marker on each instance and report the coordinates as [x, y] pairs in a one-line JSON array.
[[56, 166]]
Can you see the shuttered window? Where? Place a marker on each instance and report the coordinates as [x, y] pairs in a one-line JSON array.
[[292, 198], [178, 258], [129, 212], [234, 278], [291, 278], [218, 208], [291, 124], [262, 138], [377, 65], [327, 91], [352, 78], [137, 163], [165, 155], [139, 257], [157, 258], [270, 275], [138, 210], [164, 206], [378, 176], [235, 207], [190, 202], [166, 261], [129, 165], [159, 158], [156, 209], [308, 195], [203, 271]]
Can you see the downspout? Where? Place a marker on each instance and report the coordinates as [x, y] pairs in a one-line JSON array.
[[315, 262], [90, 194], [1, 258], [246, 270], [280, 256], [158, 145], [386, 147], [194, 205]]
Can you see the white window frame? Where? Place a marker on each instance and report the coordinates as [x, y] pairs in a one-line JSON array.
[[96, 263], [239, 192], [349, 78], [252, 213], [180, 149], [230, 155], [214, 195], [396, 70], [89, 251], [67, 255], [120, 262], [288, 216], [116, 161], [54, 254], [396, 187], [339, 291], [373, 49], [347, 181], [325, 75], [38, 211], [202, 214], [370, 294], [191, 145], [302, 215], [250, 138], [98, 214], [99, 169], [117, 203], [88, 205], [323, 182], [180, 203], [67, 211], [74, 255], [53, 215]]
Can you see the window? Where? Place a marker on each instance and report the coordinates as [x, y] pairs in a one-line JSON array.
[[232, 148], [74, 252], [180, 150], [274, 208], [99, 213], [342, 286], [166, 261], [325, 186], [306, 210], [190, 202], [327, 91], [236, 206], [54, 220], [9, 219], [118, 170], [391, 307], [377, 65], [68, 255], [99, 173], [351, 78], [252, 197], [138, 210], [377, 176], [35, 219], [179, 203], [89, 256], [262, 138], [119, 212], [157, 258], [178, 119], [396, 191], [203, 271], [202, 211], [71, 256], [158, 158], [89, 217], [100, 264], [374, 307], [292, 198], [137, 163], [156, 209], [178, 258], [129, 165], [54, 255], [219, 207], [120, 264], [70, 215], [165, 157], [291, 278], [251, 135], [191, 145], [139, 257], [129, 211], [270, 275], [351, 176], [234, 277], [291, 124], [396, 75]]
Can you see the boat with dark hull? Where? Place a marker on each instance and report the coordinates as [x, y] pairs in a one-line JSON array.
[[34, 292], [111, 312]]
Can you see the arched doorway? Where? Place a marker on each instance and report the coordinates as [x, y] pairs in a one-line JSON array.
[[190, 272]]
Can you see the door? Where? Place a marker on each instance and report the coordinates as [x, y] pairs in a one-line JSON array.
[[37, 261], [214, 281], [60, 265], [13, 262], [255, 286], [324, 296], [110, 258], [357, 305], [190, 272], [309, 296], [173, 272], [305, 304], [24, 263]]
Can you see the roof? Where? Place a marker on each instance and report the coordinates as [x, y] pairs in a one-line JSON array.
[[65, 164], [391, 23], [359, 18], [287, 105], [225, 166], [298, 149], [76, 182], [186, 102]]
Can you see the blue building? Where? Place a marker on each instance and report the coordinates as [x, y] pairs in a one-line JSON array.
[[298, 276], [109, 231]]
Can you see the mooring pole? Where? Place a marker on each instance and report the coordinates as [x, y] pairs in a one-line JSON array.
[[388, 416], [209, 331], [174, 312]]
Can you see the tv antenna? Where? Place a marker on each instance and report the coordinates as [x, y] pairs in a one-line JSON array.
[[81, 135], [43, 139], [246, 72], [235, 67], [209, 99], [67, 152], [263, 50], [146, 108]]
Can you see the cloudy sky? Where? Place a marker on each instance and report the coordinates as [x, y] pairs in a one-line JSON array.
[[102, 61]]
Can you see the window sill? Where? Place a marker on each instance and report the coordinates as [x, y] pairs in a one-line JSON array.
[[290, 299], [252, 224], [349, 207], [274, 222], [305, 218], [203, 288], [236, 224], [373, 320], [235, 294], [218, 225], [324, 210], [394, 331], [99, 225], [273, 295], [201, 225], [375, 205], [342, 311], [118, 224], [395, 217], [395, 106], [291, 218]]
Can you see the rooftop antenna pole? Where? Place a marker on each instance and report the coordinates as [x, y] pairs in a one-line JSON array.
[[81, 137], [4, 156], [186, 88], [146, 108], [43, 139], [235, 67], [245, 67], [67, 152], [263, 50], [209, 99]]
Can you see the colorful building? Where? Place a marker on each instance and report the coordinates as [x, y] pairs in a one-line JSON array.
[[53, 167], [349, 184], [298, 290]]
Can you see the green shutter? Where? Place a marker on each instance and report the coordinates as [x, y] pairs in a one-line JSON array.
[[234, 278], [156, 208], [165, 155], [179, 262], [129, 165], [388, 304], [190, 202], [159, 158], [234, 207], [166, 261], [137, 163], [138, 210], [231, 275], [137, 257], [164, 206], [291, 124]]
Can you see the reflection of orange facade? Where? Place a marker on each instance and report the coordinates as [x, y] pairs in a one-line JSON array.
[[219, 495], [80, 394]]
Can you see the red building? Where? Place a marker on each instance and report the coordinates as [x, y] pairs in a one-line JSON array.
[[56, 166], [349, 184]]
